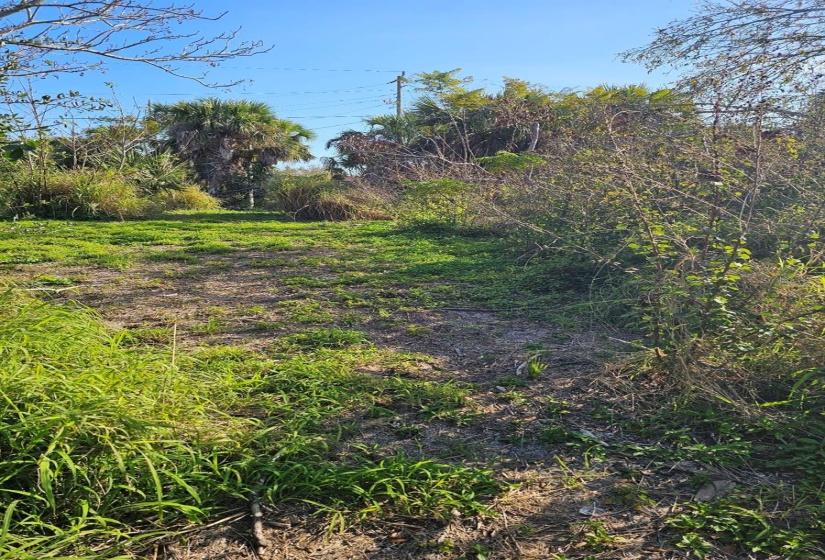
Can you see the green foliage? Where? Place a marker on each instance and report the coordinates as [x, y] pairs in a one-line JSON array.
[[91, 436], [185, 198], [93, 194], [505, 161], [158, 173], [107, 442], [15, 151], [751, 528], [78, 194], [324, 338], [230, 142], [418, 488], [443, 202]]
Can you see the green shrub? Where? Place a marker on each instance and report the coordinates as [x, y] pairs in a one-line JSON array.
[[443, 202], [107, 442], [73, 194], [157, 173]]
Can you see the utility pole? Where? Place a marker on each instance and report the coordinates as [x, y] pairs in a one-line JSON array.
[[398, 81]]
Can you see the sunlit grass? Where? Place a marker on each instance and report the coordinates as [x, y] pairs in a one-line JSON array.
[[107, 440]]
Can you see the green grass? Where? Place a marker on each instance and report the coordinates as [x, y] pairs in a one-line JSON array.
[[380, 257], [107, 441], [114, 439]]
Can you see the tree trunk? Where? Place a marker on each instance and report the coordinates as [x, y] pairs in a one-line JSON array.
[[214, 184], [535, 139]]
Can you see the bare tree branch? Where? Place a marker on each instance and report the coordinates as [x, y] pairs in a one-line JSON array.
[[39, 37], [755, 48]]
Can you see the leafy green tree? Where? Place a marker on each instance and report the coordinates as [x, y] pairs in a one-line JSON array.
[[449, 124], [230, 141]]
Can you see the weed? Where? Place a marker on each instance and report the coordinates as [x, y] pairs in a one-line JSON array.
[[555, 408], [323, 338], [306, 311], [154, 335], [212, 326], [47, 280], [418, 330], [535, 367], [255, 310], [586, 444], [514, 397], [478, 551], [729, 521], [695, 545], [80, 414], [525, 529], [629, 495], [408, 431], [441, 546], [597, 535], [211, 248], [376, 411], [417, 488], [511, 381]]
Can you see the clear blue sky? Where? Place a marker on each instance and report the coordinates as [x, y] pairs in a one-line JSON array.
[[333, 62]]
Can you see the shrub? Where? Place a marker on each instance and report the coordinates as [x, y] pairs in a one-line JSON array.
[[157, 173], [188, 198], [443, 202], [85, 193], [100, 442], [71, 194], [318, 198]]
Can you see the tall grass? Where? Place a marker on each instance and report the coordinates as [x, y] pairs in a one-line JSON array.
[[99, 442], [85, 193], [105, 443], [318, 198]]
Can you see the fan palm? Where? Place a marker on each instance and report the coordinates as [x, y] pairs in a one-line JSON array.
[[225, 139]]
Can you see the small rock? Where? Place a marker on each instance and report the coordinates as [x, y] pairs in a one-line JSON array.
[[714, 490]]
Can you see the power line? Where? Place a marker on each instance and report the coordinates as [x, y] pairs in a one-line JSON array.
[[333, 117], [273, 93], [337, 125], [354, 101], [339, 116]]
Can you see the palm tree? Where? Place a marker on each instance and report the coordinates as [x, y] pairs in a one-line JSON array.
[[401, 129], [226, 140]]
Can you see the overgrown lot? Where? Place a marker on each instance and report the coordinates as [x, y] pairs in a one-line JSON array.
[[377, 391]]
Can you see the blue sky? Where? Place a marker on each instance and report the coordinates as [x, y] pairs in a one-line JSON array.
[[333, 62]]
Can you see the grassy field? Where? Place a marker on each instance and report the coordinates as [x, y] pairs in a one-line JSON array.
[[375, 391]]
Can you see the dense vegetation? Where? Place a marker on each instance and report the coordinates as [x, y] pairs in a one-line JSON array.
[[688, 218]]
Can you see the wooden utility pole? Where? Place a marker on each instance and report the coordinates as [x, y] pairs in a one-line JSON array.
[[398, 82]]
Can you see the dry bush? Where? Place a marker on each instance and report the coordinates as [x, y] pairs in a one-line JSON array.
[[331, 200], [188, 198]]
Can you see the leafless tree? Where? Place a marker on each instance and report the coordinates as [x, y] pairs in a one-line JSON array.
[[39, 37], [756, 50]]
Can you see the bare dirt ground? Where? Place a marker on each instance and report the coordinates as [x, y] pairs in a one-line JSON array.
[[579, 501]]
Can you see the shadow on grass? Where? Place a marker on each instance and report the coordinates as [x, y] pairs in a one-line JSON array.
[[223, 216]]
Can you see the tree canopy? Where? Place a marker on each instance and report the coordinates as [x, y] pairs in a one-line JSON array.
[[229, 140]]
